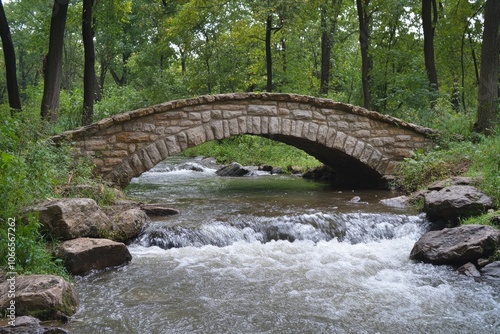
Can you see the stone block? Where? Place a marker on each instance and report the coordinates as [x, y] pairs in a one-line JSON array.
[[301, 114], [262, 110], [339, 140], [349, 145]]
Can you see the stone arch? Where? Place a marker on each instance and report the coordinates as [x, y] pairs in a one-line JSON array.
[[363, 146]]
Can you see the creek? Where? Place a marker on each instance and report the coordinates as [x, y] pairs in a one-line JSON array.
[[277, 254]]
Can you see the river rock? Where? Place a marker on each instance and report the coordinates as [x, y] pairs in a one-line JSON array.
[[70, 218], [456, 246], [454, 202], [492, 271], [154, 210], [83, 255], [30, 325], [396, 202], [234, 169], [46, 297], [128, 224], [469, 269]]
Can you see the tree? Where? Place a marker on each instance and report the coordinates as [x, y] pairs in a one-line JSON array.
[[429, 21], [364, 18], [10, 62], [89, 78], [487, 110], [328, 28], [53, 62]]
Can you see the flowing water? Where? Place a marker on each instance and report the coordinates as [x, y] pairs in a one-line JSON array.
[[277, 254]]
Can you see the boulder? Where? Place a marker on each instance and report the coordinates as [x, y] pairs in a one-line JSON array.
[[70, 218], [234, 169], [154, 210], [30, 325], [492, 271], [456, 246], [454, 202], [83, 255], [396, 202], [46, 297], [128, 224]]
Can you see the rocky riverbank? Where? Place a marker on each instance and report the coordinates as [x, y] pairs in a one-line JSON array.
[[88, 238], [95, 238]]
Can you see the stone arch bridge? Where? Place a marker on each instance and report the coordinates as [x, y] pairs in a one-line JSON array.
[[364, 147]]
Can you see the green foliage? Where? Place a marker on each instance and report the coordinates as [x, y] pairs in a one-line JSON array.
[[480, 159], [32, 169], [254, 150], [485, 219]]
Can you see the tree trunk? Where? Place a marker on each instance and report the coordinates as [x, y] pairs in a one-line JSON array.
[[53, 62], [429, 20], [487, 110], [326, 48], [364, 42], [269, 59], [328, 28], [10, 62], [89, 77]]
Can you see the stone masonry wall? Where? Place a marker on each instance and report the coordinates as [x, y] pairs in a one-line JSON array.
[[128, 144]]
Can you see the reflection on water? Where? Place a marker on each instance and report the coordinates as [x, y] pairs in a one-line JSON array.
[[236, 270]]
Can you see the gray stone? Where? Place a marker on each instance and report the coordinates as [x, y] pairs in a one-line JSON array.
[[128, 224], [234, 169], [456, 246], [30, 325], [83, 255], [492, 271], [396, 202], [154, 210], [70, 218], [452, 203], [46, 297], [469, 270]]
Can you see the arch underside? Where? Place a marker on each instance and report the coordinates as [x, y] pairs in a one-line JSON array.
[[349, 172]]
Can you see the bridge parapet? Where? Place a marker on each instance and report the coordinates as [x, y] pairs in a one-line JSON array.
[[359, 143]]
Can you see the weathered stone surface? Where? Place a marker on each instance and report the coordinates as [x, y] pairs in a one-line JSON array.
[[454, 202], [456, 246], [30, 325], [70, 218], [46, 297], [234, 169], [83, 255], [128, 224], [396, 202], [492, 271], [469, 269], [153, 210]]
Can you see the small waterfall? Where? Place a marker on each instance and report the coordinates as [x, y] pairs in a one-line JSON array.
[[352, 228]]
